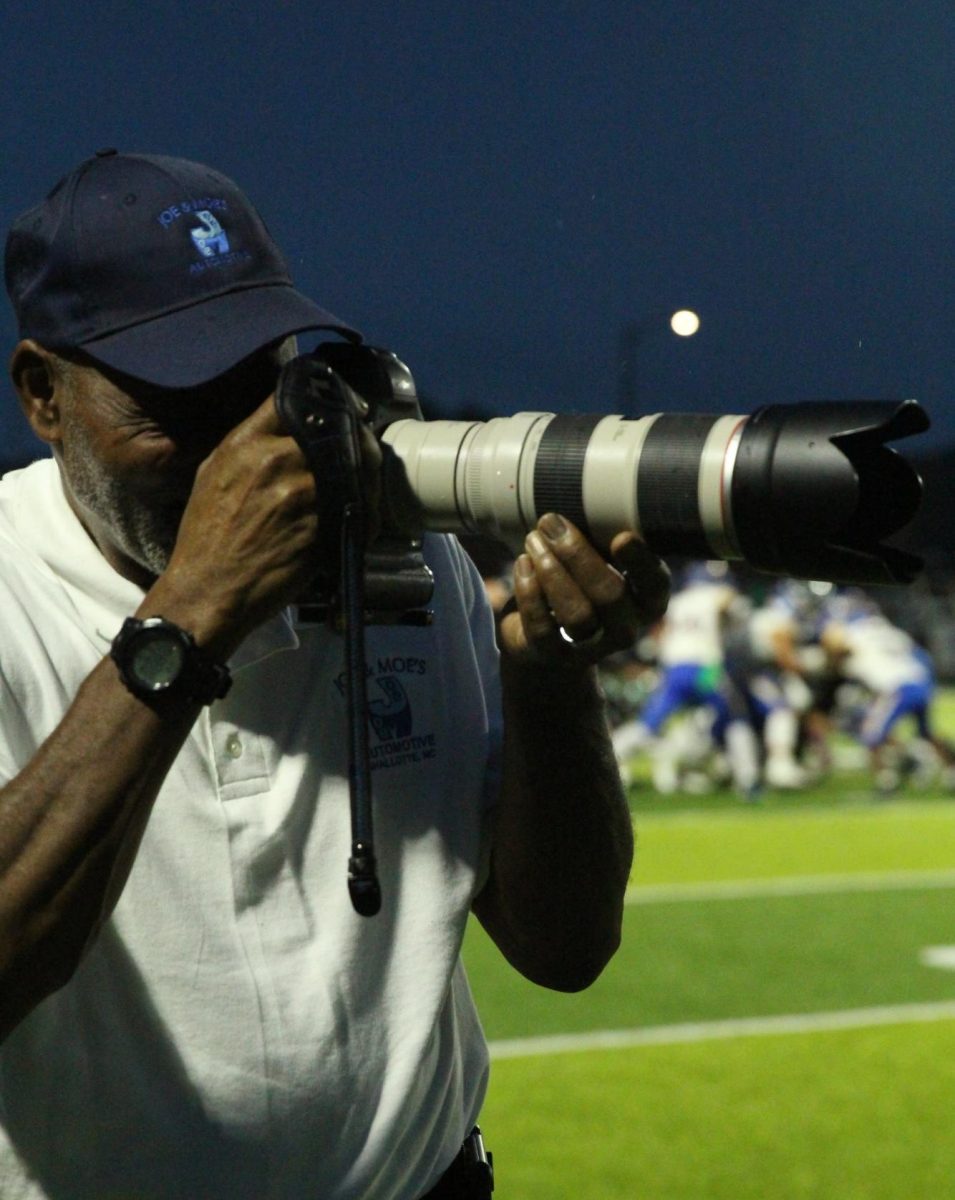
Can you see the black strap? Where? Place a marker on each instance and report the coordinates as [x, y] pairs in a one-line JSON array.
[[363, 886]]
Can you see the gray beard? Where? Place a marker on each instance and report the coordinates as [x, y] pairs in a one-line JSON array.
[[145, 534]]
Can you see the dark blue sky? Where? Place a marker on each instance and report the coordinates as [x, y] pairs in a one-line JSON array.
[[492, 190]]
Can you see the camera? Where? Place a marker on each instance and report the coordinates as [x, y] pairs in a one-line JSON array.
[[807, 490]]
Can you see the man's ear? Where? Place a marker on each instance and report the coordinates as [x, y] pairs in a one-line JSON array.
[[39, 386]]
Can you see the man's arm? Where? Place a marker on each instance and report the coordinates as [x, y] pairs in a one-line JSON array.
[[72, 820], [562, 842]]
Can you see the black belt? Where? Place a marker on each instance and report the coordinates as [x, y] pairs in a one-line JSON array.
[[470, 1176]]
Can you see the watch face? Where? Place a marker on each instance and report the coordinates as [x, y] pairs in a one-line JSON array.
[[157, 659]]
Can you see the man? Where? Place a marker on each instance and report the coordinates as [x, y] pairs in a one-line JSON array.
[[189, 1005]]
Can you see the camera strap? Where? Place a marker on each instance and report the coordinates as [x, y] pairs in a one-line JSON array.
[[363, 886], [320, 412]]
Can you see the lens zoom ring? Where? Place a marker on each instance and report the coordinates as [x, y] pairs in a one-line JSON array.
[[668, 484], [559, 467]]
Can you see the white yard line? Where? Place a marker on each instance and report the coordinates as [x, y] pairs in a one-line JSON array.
[[851, 805], [795, 885], [703, 1031]]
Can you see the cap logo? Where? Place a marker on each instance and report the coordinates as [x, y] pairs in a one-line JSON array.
[[184, 207], [209, 238]]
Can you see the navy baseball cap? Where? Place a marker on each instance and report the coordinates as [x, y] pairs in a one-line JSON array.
[[158, 267]]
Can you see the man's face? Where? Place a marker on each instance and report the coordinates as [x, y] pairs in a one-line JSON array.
[[130, 451]]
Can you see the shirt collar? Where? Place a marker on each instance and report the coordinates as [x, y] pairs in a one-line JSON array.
[[50, 530]]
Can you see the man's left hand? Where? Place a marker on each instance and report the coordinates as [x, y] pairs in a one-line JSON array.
[[572, 606]]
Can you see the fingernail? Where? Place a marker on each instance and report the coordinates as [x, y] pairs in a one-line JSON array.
[[535, 543], [552, 526], [523, 567]]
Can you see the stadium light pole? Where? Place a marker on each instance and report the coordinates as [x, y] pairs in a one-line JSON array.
[[683, 323]]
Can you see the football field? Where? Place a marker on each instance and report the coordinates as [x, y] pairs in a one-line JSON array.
[[779, 1021]]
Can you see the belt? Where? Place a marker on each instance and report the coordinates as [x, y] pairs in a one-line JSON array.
[[470, 1176]]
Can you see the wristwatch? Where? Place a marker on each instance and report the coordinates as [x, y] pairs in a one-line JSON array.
[[157, 659]]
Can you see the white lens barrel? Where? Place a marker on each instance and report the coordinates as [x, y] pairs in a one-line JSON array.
[[429, 452], [609, 477], [472, 476], [495, 476], [666, 478]]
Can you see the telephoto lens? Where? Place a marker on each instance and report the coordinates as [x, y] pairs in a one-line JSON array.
[[807, 490]]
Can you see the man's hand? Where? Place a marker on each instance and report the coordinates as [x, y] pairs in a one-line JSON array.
[[246, 542], [572, 606]]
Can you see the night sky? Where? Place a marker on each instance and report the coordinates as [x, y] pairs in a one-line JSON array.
[[494, 190]]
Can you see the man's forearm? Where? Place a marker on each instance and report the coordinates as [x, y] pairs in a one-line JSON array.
[[563, 840]]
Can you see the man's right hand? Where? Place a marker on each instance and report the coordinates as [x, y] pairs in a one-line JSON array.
[[245, 547]]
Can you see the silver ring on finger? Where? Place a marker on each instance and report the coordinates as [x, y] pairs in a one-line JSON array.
[[581, 643]]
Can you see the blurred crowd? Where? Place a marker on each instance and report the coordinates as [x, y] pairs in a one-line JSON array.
[[753, 684]]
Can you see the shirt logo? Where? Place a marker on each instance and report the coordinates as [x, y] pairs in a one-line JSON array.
[[391, 714], [209, 238], [396, 738]]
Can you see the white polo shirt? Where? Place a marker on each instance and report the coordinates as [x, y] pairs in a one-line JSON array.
[[237, 1031]]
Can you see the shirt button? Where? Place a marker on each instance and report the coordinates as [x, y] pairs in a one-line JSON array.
[[233, 746]]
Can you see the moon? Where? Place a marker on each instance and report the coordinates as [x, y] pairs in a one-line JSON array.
[[685, 322]]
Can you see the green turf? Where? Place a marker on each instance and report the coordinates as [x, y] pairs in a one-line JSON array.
[[736, 958], [850, 1115], [859, 1114], [745, 843]]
